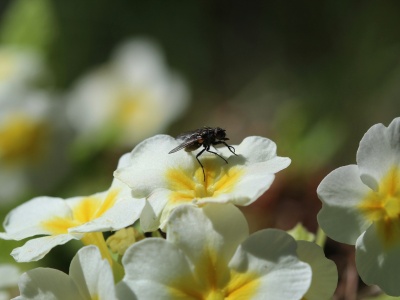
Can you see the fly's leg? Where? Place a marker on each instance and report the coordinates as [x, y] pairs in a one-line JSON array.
[[208, 150], [202, 167], [231, 148]]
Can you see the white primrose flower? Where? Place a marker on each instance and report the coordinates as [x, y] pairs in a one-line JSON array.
[[27, 139], [131, 98], [361, 206], [19, 67], [90, 277], [170, 180], [324, 271], [208, 254], [62, 220]]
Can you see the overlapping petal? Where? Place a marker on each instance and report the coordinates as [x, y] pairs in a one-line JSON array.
[[271, 254], [376, 263], [24, 221], [378, 152], [74, 218], [90, 277], [324, 271], [45, 283], [37, 248], [203, 258], [213, 228], [341, 191]]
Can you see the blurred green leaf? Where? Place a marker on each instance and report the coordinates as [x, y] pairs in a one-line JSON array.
[[28, 23], [310, 143]]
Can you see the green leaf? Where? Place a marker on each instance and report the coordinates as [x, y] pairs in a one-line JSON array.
[[28, 23], [299, 232]]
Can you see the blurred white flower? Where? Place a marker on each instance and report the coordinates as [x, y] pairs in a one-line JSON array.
[[28, 139], [19, 67], [132, 97], [9, 275], [32, 134]]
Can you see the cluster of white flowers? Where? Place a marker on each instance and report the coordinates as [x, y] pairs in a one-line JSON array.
[[208, 252], [26, 126], [128, 99], [200, 246]]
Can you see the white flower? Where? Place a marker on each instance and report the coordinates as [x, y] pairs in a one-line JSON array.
[[209, 255], [361, 206], [19, 67], [27, 140], [90, 277], [131, 98], [169, 180], [75, 218], [9, 275]]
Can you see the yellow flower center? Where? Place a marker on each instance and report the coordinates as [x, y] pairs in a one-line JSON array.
[[134, 107], [187, 186], [22, 139], [383, 207], [215, 281], [87, 209]]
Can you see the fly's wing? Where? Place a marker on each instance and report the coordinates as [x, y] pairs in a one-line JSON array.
[[188, 135], [187, 139]]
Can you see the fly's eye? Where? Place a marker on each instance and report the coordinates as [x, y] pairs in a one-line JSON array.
[[220, 134]]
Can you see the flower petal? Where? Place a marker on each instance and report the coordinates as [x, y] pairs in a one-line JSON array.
[[378, 152], [378, 263], [37, 248], [324, 271], [145, 172], [271, 253], [257, 149], [147, 289], [340, 192], [149, 221], [124, 213], [148, 282], [44, 283], [248, 189], [9, 275], [24, 220], [92, 274], [215, 230]]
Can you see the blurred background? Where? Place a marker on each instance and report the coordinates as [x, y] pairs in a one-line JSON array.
[[82, 82]]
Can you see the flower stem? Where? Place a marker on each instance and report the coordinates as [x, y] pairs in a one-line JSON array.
[[320, 238]]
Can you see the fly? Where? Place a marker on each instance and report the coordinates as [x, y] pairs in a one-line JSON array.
[[205, 137]]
